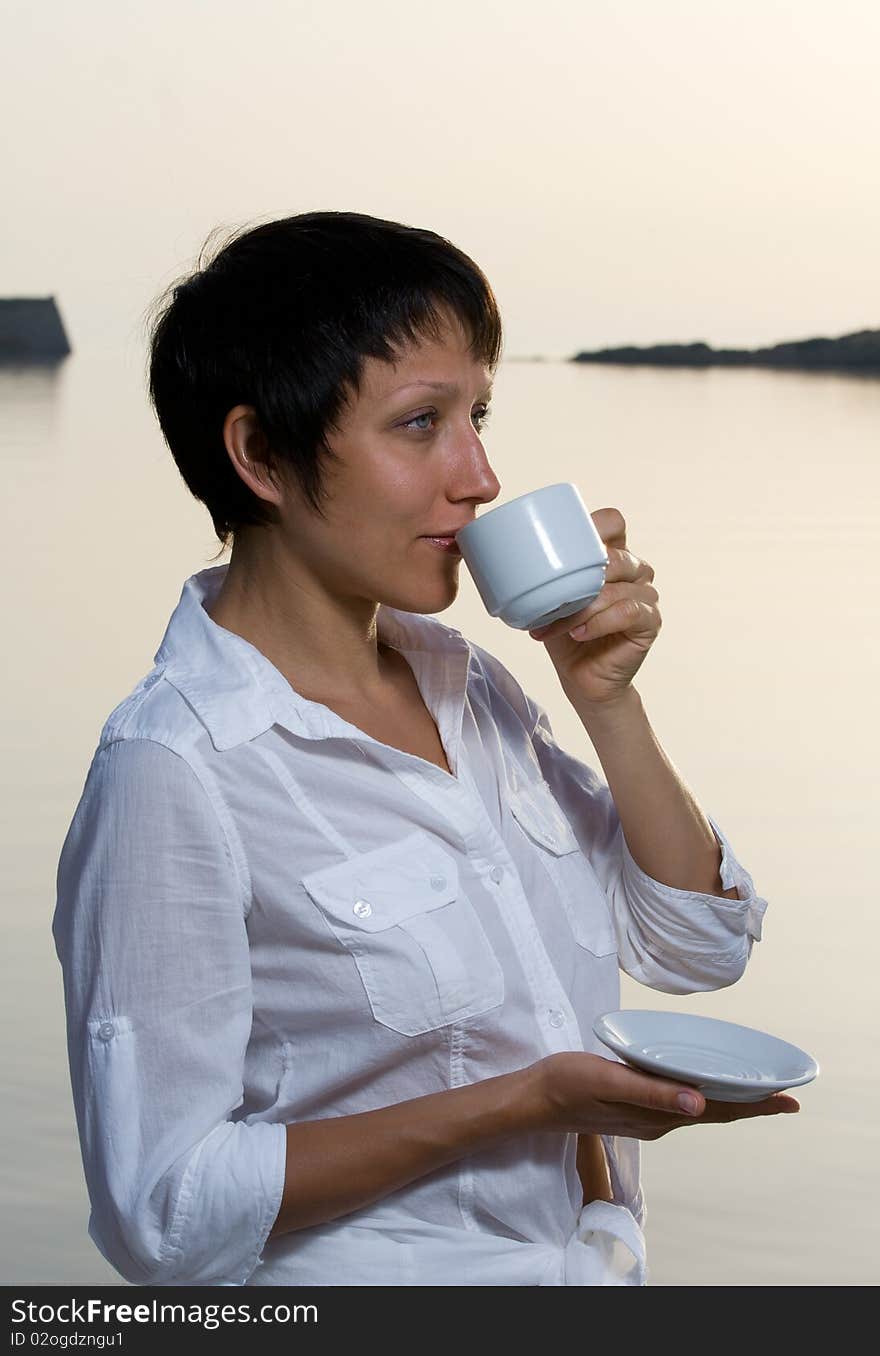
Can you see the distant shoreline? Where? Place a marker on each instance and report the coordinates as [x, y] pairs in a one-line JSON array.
[[857, 352]]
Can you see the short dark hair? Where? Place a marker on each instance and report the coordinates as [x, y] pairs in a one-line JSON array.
[[282, 318]]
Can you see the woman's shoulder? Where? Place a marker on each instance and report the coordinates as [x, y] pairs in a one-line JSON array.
[[152, 710]]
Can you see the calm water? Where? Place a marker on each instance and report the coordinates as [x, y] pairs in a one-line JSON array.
[[756, 497]]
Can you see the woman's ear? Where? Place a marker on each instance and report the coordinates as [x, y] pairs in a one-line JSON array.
[[248, 450]]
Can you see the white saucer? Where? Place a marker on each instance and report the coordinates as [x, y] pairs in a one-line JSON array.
[[726, 1062]]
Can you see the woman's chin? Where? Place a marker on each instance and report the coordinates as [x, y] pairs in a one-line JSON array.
[[430, 597]]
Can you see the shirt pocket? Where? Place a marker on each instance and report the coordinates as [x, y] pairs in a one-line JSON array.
[[422, 953], [580, 892]]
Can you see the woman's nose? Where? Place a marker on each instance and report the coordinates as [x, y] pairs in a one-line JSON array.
[[492, 485], [476, 470]]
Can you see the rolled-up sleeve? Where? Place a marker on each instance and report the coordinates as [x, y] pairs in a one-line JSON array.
[[677, 941], [150, 929]]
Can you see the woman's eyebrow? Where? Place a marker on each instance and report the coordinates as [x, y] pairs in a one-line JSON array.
[[449, 386]]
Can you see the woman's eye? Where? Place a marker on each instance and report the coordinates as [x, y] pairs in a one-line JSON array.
[[410, 423], [481, 416]]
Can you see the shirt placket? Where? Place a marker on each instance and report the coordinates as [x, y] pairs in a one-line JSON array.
[[444, 687]]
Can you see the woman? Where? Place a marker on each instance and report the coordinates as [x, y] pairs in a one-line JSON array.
[[335, 911]]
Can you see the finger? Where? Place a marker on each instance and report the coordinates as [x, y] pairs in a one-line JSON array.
[[623, 1084], [630, 615], [610, 595], [738, 1111], [611, 526], [614, 593], [622, 564], [626, 575]]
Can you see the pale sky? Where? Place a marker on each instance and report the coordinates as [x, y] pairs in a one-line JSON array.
[[635, 171]]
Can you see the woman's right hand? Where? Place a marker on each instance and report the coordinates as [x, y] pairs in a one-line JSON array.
[[584, 1093]]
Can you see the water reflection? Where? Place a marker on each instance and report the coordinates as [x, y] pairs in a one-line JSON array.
[[29, 392]]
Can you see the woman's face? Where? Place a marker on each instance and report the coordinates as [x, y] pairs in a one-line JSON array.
[[411, 465]]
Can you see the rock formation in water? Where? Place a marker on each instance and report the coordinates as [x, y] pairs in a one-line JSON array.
[[31, 329]]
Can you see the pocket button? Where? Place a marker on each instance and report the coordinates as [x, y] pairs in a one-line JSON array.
[[106, 1031], [438, 882], [362, 908]]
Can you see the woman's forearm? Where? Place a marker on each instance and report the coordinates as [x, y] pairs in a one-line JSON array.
[[666, 832], [341, 1163]]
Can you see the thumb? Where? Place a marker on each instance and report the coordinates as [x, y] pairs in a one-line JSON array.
[[690, 1101], [659, 1094]]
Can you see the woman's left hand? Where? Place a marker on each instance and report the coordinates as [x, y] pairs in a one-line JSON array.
[[622, 623]]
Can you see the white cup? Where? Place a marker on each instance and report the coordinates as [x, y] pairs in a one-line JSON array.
[[536, 558]]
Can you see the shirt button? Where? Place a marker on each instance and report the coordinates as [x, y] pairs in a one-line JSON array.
[[106, 1031], [497, 874], [556, 1018], [438, 882], [362, 908]]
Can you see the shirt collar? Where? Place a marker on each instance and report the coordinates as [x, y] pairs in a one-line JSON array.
[[237, 692]]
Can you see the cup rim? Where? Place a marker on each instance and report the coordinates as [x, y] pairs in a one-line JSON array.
[[528, 494]]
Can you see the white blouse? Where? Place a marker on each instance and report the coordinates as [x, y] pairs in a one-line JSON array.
[[264, 915]]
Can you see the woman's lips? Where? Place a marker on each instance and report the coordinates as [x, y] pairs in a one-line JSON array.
[[444, 544]]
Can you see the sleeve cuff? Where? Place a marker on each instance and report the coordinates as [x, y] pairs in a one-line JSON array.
[[233, 1191], [276, 1177], [734, 917], [732, 873]]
